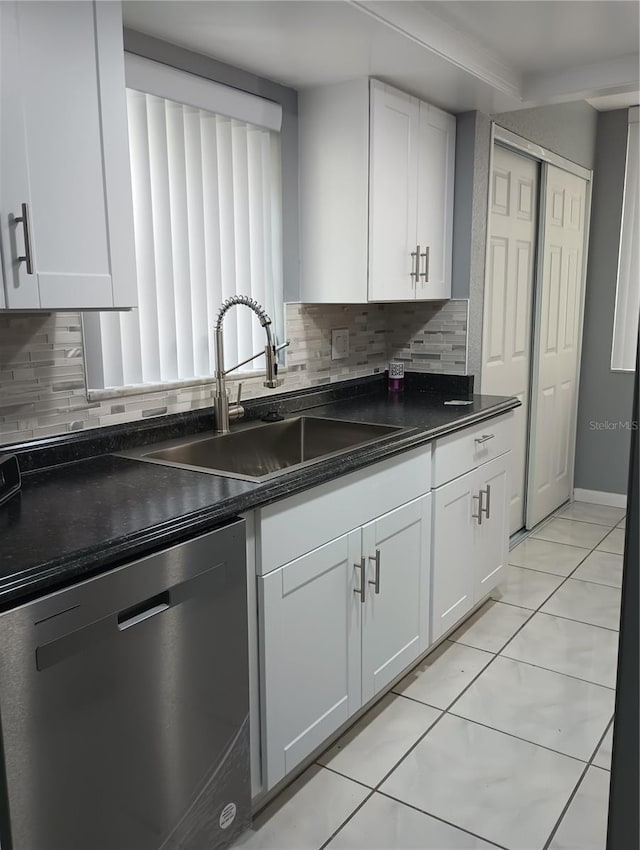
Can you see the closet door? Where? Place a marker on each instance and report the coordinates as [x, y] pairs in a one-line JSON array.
[[508, 303], [558, 341]]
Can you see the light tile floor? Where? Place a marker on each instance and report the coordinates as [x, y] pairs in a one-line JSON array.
[[502, 736]]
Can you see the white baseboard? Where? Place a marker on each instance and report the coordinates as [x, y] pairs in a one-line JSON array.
[[598, 497]]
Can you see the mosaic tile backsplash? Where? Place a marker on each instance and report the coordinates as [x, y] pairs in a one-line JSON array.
[[42, 375]]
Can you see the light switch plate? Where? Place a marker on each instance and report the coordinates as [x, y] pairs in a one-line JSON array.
[[339, 343]]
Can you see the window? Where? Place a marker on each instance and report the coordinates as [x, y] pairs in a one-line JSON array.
[[206, 178], [625, 325]]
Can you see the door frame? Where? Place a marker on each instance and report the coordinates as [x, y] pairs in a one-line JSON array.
[[519, 144]]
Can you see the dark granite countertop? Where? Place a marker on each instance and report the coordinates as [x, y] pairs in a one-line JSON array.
[[76, 519]]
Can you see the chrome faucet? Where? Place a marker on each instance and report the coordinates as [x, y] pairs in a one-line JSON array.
[[225, 411]]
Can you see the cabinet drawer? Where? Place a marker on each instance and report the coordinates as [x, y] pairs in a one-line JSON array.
[[294, 526], [461, 452]]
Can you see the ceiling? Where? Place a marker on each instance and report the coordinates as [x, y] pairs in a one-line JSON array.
[[459, 54], [542, 36]]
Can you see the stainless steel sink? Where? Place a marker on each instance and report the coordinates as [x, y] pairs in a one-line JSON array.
[[267, 450]]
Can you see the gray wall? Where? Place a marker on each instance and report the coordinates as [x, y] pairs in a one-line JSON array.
[[204, 66], [473, 138], [602, 455], [568, 129]]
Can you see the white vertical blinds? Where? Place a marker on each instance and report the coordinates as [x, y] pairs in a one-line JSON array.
[[208, 224], [625, 326]]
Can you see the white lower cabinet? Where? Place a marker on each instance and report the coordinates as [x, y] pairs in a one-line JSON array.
[[452, 560], [337, 625], [395, 549], [339, 621], [470, 541], [311, 623], [491, 536]]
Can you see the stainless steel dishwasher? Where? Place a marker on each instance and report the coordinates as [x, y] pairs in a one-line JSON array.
[[124, 706]]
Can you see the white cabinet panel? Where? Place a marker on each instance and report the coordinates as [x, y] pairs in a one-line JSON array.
[[20, 288], [335, 630], [435, 201], [392, 175], [393, 194], [452, 553], [467, 449], [470, 540], [310, 651], [65, 156], [333, 165], [293, 526], [491, 536], [395, 626]]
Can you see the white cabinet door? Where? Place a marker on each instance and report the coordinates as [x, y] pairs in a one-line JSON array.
[[371, 191], [395, 551], [65, 158], [435, 201], [393, 186], [20, 288], [452, 552], [310, 651], [491, 529]]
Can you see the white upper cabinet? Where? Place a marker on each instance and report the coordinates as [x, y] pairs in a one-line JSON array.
[[393, 193], [376, 195], [434, 232], [65, 188]]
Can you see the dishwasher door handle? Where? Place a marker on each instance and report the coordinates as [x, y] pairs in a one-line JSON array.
[[143, 611]]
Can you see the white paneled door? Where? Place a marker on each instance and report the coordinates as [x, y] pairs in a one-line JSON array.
[[557, 350], [508, 303]]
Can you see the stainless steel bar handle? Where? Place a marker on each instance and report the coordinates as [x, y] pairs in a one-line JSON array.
[[487, 507], [484, 438], [415, 266], [376, 581], [478, 516], [425, 274], [24, 220], [362, 590]]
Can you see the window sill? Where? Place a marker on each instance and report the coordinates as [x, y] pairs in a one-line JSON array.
[[167, 386]]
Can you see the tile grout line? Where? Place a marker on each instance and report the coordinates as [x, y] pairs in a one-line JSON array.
[[566, 808], [347, 819], [442, 820], [553, 614], [562, 583], [495, 655], [574, 620], [574, 793], [448, 712], [517, 737], [557, 575], [498, 654], [344, 776], [558, 673], [588, 521]]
